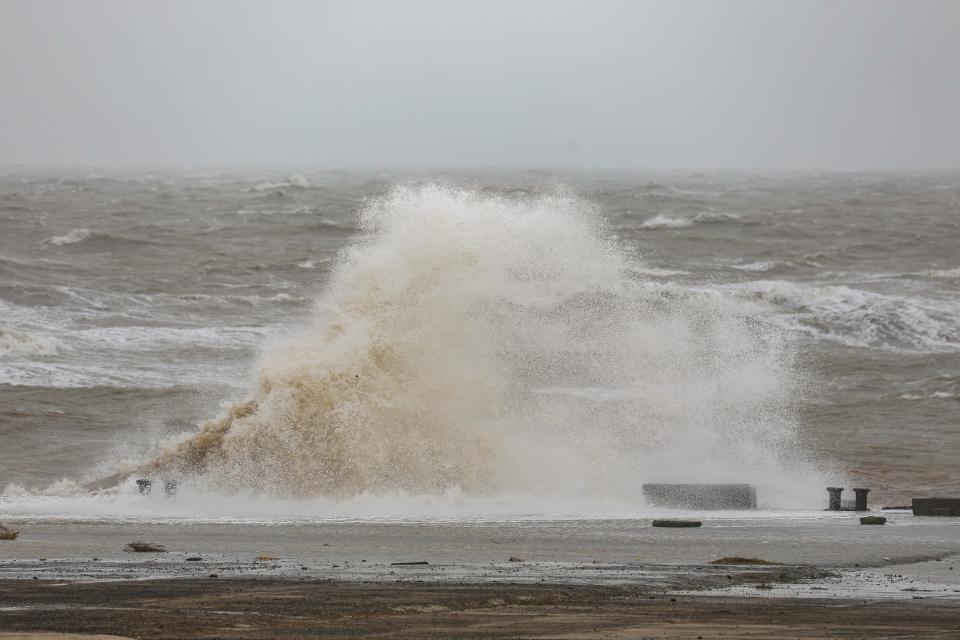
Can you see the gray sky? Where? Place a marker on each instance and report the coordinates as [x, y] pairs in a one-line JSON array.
[[648, 85]]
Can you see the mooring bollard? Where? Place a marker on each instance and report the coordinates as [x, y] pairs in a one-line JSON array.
[[144, 485], [861, 504], [834, 498], [170, 487]]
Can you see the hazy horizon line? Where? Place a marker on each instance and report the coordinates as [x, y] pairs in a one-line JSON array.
[[8, 168]]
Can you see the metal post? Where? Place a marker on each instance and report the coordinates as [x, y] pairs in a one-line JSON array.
[[170, 487], [834, 498], [144, 485], [861, 499]]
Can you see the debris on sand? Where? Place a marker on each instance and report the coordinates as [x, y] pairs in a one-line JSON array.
[[405, 564], [144, 547], [8, 534], [515, 559], [266, 558], [873, 520], [740, 560]]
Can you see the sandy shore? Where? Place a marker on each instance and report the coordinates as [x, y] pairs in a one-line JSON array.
[[266, 608], [530, 579]]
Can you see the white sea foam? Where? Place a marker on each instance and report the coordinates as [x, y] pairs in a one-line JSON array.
[[717, 216], [944, 273], [761, 265], [425, 367], [661, 221], [656, 272], [165, 337], [66, 500], [22, 343], [73, 236], [936, 395]]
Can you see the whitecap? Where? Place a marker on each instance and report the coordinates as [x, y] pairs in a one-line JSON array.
[[296, 180], [717, 216], [859, 318], [73, 236], [761, 265], [661, 221], [944, 273]]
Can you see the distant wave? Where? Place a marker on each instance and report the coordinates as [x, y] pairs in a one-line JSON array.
[[296, 180], [89, 375], [73, 236], [146, 338], [717, 216], [760, 265], [21, 343], [661, 221], [943, 273], [96, 239], [936, 395]]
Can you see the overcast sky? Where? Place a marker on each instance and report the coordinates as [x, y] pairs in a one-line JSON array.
[[647, 85]]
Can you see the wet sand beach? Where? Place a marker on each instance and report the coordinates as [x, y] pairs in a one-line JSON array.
[[214, 608], [529, 579]]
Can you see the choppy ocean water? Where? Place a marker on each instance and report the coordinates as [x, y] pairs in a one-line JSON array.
[[132, 307]]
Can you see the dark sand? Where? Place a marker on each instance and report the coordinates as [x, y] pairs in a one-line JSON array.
[[241, 608]]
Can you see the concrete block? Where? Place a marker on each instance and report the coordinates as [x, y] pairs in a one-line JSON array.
[[701, 496], [936, 507]]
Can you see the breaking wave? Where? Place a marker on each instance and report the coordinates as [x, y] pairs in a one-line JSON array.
[[491, 345], [860, 318]]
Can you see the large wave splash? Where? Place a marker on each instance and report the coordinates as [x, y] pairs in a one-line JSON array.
[[491, 344]]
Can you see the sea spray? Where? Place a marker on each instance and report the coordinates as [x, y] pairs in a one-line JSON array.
[[487, 345]]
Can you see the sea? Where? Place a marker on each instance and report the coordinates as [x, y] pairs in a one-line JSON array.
[[481, 341]]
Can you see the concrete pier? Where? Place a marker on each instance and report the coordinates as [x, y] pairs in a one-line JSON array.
[[861, 503], [834, 498]]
